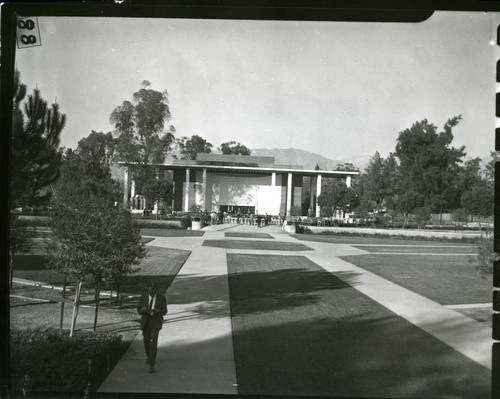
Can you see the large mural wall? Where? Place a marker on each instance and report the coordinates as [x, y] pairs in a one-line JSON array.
[[229, 189]]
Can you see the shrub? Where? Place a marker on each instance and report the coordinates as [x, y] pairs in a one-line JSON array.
[[53, 362], [186, 222], [484, 255]]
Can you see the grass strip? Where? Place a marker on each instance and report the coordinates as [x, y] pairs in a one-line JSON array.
[[249, 235], [156, 232], [446, 280], [299, 330], [353, 239], [424, 249], [257, 245], [160, 267]]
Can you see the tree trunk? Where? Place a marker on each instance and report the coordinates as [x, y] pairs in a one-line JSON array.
[[119, 292], [11, 267], [75, 307], [97, 297], [62, 303]]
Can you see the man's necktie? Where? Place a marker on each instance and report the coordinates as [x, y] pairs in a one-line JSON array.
[[151, 303]]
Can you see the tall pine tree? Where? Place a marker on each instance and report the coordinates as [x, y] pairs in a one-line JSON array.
[[35, 152]]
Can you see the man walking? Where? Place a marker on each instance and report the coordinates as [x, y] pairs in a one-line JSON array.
[[152, 306]]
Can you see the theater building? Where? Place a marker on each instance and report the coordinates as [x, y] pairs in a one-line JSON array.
[[238, 183]]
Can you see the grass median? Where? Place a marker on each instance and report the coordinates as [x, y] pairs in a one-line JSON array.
[[300, 330]]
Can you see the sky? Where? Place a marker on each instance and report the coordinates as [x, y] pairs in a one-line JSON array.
[[338, 89]]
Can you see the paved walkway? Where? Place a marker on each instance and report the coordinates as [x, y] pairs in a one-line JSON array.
[[195, 346]]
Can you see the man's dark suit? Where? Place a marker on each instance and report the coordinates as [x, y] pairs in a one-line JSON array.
[[151, 324]]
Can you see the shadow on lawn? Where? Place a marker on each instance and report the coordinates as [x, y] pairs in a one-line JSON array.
[[365, 355], [278, 290]]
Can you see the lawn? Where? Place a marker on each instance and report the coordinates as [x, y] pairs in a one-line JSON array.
[[444, 279], [300, 330], [249, 235], [171, 232], [31, 309], [353, 240], [420, 249], [160, 266]]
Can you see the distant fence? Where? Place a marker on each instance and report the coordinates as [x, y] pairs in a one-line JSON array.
[[448, 218]]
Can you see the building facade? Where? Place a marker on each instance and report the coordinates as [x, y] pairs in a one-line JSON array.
[[239, 183]]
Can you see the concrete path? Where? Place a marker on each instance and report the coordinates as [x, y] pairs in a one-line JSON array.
[[195, 346], [195, 352]]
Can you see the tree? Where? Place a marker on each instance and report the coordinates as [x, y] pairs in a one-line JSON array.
[[427, 165], [92, 235], [422, 215], [97, 152], [378, 181], [489, 172], [484, 255], [479, 199], [190, 147], [35, 158], [158, 190], [234, 148], [460, 216], [336, 195], [19, 241], [468, 175], [143, 139], [84, 177], [35, 152], [372, 181], [347, 166], [95, 238]]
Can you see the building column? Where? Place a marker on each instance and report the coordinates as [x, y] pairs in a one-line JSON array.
[[348, 181], [318, 193], [186, 192], [132, 189], [125, 187], [311, 194], [289, 194], [173, 196], [273, 179], [204, 190]]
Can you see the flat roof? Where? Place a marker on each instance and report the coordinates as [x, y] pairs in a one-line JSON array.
[[252, 169]]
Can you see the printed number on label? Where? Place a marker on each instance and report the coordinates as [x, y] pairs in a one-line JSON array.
[[28, 33], [26, 24], [28, 39]]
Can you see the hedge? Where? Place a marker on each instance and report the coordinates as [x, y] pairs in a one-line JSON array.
[[54, 362]]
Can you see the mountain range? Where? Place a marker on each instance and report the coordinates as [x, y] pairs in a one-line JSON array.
[[293, 156]]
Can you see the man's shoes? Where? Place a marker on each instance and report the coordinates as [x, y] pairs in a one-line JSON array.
[[151, 369]]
